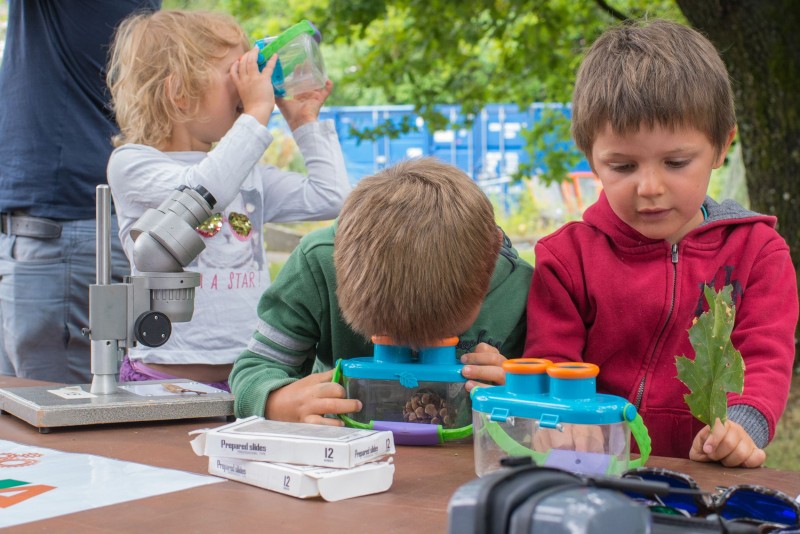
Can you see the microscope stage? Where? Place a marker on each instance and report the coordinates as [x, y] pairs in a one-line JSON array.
[[47, 407]]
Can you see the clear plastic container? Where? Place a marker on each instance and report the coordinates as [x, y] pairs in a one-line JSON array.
[[419, 396], [552, 413], [432, 403], [300, 67]]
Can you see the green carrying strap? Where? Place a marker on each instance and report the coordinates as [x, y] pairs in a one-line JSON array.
[[337, 372], [513, 448], [452, 434], [445, 434], [642, 438], [281, 40]]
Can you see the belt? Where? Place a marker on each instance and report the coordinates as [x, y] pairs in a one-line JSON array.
[[27, 226]]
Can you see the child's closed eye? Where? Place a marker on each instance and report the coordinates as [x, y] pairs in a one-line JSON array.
[[623, 167], [677, 163]]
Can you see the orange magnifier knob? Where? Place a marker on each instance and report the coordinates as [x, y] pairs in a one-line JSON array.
[[526, 366], [573, 370]]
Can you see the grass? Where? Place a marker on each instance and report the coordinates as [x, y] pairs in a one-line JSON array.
[[783, 452], [527, 255], [274, 268]]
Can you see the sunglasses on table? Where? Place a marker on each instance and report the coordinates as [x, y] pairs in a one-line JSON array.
[[240, 225], [743, 501]]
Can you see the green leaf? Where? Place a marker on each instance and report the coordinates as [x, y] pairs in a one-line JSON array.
[[717, 367]]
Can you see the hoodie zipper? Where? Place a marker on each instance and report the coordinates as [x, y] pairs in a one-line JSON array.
[[674, 258]]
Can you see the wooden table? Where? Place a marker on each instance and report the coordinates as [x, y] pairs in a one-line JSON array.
[[425, 479]]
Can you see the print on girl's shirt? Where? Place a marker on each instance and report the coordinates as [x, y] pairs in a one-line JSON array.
[[234, 256], [232, 241], [232, 280]]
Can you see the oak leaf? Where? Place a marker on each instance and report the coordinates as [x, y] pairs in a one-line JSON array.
[[717, 368]]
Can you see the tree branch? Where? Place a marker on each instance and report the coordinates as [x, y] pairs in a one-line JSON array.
[[611, 11]]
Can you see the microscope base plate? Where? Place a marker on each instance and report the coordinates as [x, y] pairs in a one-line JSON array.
[[47, 407]]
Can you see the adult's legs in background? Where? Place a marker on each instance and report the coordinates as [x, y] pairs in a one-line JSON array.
[[44, 301]]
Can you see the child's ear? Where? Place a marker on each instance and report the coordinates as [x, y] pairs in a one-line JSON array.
[[172, 88], [724, 150]]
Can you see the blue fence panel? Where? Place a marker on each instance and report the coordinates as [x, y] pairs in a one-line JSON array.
[[490, 150], [503, 146], [457, 144], [362, 157]]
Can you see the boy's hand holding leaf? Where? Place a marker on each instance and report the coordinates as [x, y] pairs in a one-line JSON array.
[[717, 367]]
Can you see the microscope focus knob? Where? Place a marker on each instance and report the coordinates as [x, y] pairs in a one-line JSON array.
[[152, 329]]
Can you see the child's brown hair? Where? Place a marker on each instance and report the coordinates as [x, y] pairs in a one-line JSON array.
[[415, 249], [652, 73], [158, 58]]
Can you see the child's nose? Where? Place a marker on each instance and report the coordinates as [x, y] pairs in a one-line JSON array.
[[650, 183]]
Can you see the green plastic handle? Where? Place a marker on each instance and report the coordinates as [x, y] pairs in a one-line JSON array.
[[280, 41], [642, 438], [511, 446], [302, 27]]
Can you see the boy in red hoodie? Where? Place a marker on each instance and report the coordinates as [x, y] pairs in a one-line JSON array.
[[653, 112]]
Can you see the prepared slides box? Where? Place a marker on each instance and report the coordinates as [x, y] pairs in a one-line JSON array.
[[256, 438], [307, 481]]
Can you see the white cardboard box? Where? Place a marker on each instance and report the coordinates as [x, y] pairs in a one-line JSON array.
[[307, 481], [256, 438]]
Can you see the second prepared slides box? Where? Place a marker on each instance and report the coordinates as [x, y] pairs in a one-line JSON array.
[[306, 481], [256, 438]]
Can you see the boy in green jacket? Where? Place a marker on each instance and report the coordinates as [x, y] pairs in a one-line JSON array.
[[415, 255]]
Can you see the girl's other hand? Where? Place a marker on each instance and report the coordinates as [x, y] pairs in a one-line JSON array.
[[304, 107]]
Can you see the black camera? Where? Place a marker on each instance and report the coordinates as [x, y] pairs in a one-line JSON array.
[[523, 498]]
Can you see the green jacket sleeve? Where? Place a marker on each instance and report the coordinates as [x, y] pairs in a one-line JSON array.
[[283, 346]]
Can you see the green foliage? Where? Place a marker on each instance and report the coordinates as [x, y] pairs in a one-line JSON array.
[[783, 452], [431, 52], [386, 128], [729, 181], [717, 367], [547, 137], [3, 28], [527, 219], [258, 18], [275, 268], [283, 152], [474, 52]]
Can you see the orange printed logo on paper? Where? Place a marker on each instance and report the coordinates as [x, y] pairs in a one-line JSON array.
[[10, 459], [16, 491]]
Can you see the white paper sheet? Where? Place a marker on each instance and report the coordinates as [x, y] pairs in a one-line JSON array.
[[38, 483]]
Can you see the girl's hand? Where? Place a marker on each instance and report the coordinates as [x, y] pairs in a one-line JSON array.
[[304, 107], [728, 444], [254, 87]]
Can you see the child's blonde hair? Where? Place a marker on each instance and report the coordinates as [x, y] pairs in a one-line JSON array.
[[657, 73], [161, 57], [415, 248]]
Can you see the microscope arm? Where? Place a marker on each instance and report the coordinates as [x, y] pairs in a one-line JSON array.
[[143, 307]]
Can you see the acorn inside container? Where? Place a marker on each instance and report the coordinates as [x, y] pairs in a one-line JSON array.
[[418, 395], [553, 413]]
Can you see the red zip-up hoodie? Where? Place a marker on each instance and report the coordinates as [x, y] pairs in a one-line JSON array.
[[604, 293]]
